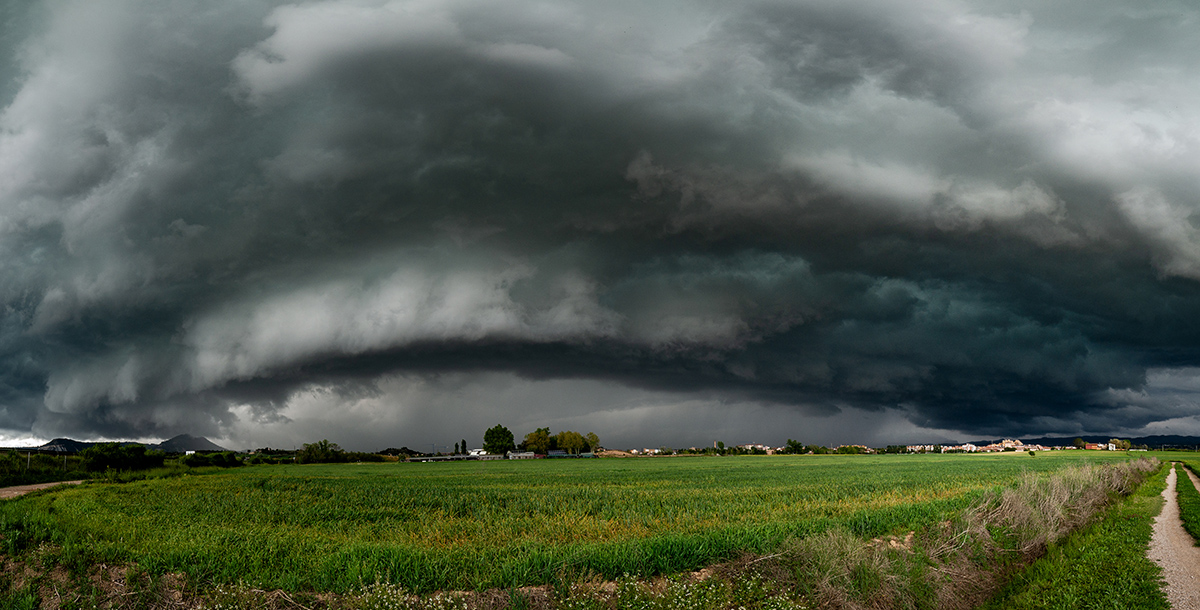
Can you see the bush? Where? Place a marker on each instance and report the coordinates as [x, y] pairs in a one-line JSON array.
[[223, 459], [115, 456], [26, 468]]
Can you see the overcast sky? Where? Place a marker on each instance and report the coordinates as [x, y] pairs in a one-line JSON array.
[[395, 223]]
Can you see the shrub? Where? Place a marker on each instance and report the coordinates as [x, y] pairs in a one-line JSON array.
[[115, 456], [223, 459]]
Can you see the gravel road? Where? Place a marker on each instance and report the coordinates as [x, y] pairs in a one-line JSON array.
[[7, 493], [1173, 549]]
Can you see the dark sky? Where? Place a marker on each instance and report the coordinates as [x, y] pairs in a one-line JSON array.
[[401, 222]]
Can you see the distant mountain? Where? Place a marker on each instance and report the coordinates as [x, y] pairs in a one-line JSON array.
[[177, 444], [186, 442], [66, 445]]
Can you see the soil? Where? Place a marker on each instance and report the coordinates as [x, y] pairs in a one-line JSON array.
[[8, 493], [1175, 551]]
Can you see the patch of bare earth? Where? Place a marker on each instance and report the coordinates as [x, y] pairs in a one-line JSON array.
[[1174, 550], [8, 493], [116, 587]]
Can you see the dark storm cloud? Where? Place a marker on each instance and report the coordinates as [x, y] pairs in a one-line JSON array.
[[977, 215]]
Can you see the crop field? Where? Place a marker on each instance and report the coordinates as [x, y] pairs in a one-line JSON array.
[[474, 525]]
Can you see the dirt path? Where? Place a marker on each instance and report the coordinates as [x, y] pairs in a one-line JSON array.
[[8, 493], [1173, 549]]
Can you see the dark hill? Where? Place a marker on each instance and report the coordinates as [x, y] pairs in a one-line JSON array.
[[186, 442], [177, 444], [65, 445]]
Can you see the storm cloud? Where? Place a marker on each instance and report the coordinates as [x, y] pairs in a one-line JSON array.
[[946, 218]]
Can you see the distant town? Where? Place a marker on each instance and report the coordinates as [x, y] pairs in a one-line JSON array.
[[793, 447]]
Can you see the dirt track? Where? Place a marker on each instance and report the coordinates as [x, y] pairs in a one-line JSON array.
[[8, 493], [1173, 549]]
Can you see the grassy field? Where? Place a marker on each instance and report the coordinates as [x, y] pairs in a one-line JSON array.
[[473, 525], [1189, 498]]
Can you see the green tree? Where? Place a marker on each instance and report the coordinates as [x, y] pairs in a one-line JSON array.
[[537, 441], [498, 440], [593, 441], [1079, 443], [463, 444], [320, 452], [793, 447], [569, 441], [456, 448]]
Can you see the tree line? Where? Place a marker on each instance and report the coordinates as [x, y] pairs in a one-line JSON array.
[[499, 440]]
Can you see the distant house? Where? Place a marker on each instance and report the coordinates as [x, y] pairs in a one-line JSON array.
[[521, 455], [477, 452], [963, 448], [1094, 446]]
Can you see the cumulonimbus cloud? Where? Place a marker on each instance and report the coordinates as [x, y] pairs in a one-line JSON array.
[[978, 214]]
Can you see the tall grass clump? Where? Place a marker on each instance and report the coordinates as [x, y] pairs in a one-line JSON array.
[[1102, 566], [1189, 502], [960, 562]]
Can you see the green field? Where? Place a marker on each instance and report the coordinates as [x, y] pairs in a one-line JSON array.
[[473, 525], [1189, 497]]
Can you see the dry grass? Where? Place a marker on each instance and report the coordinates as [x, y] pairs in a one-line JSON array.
[[961, 562]]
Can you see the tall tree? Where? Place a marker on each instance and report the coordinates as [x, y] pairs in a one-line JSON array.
[[320, 452], [593, 441], [464, 445], [538, 441], [569, 441], [498, 440]]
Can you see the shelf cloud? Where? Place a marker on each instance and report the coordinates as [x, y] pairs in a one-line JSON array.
[[946, 217]]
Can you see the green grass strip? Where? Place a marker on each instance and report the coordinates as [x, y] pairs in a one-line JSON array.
[[1189, 502], [1102, 566]]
